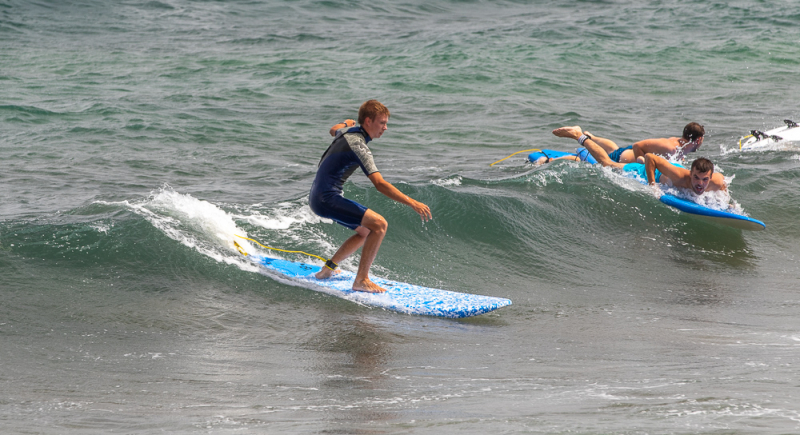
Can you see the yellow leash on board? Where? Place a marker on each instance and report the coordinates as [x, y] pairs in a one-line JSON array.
[[512, 155], [242, 251], [740, 140]]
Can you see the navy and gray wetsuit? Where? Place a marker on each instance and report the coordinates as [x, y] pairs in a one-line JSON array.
[[347, 152]]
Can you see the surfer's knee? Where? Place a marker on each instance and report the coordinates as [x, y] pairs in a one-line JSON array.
[[375, 222], [381, 225]]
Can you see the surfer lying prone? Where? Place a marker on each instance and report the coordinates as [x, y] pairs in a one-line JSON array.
[[348, 152], [690, 141], [700, 178]]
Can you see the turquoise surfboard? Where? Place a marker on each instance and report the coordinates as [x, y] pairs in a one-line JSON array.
[[581, 152]]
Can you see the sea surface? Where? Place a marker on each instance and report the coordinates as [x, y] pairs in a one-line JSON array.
[[137, 137]]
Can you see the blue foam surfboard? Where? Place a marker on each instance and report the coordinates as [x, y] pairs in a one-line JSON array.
[[399, 296], [721, 217], [581, 152], [718, 216]]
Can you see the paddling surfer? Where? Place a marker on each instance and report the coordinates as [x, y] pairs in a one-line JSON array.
[[699, 179], [348, 152], [689, 142]]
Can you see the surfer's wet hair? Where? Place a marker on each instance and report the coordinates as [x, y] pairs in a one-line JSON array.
[[693, 131], [371, 109], [703, 165]]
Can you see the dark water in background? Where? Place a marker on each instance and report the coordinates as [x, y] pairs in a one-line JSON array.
[[136, 136]]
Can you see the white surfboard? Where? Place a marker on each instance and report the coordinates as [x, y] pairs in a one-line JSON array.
[[760, 139]]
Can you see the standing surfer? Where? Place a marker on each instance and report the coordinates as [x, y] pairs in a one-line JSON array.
[[347, 152]]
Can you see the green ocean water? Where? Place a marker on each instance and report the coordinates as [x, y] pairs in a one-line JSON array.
[[136, 136]]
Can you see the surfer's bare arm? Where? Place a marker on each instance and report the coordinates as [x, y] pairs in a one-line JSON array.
[[346, 123], [390, 191], [675, 174]]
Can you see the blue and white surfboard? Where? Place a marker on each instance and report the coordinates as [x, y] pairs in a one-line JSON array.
[[399, 296]]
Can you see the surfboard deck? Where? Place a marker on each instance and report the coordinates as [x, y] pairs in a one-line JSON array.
[[553, 154], [717, 216], [788, 133], [399, 296], [712, 215]]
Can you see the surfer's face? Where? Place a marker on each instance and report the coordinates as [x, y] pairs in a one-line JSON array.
[[700, 180], [376, 127]]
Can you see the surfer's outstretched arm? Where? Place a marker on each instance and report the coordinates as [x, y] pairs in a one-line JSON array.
[[674, 173], [392, 192]]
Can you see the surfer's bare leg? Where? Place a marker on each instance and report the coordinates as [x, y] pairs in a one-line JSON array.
[[345, 251], [575, 132], [543, 160], [600, 154], [377, 226], [607, 144]]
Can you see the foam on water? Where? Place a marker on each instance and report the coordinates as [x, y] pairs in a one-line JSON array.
[[212, 231], [449, 181], [772, 147], [283, 216], [194, 223]]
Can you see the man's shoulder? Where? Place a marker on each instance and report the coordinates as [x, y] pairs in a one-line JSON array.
[[661, 142], [354, 136], [356, 140], [345, 139]]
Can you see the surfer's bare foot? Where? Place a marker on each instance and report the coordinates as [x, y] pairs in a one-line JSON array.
[[367, 286], [573, 132], [326, 273]]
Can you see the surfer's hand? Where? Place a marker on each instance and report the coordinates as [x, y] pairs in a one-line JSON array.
[[346, 123], [423, 210]]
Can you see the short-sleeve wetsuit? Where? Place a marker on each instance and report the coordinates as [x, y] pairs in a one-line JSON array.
[[347, 152]]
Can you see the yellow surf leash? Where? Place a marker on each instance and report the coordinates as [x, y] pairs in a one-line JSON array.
[[740, 140], [242, 251], [512, 155]]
